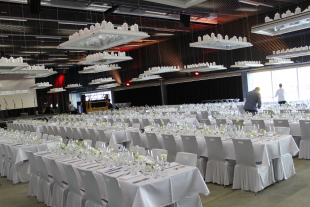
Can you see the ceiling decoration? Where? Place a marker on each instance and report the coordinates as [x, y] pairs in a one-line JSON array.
[[99, 68], [247, 64], [76, 85], [56, 90], [162, 69], [6, 93], [111, 85], [221, 43], [11, 64], [105, 58], [287, 22], [41, 85], [102, 37], [203, 67], [279, 61], [143, 77], [290, 53], [101, 80]]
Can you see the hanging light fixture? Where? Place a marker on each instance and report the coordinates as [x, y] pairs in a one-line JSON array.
[[101, 80], [290, 53], [162, 69], [105, 58], [203, 67], [56, 90], [99, 68], [279, 62], [144, 77], [11, 64], [41, 85], [247, 64], [6, 93], [76, 85], [111, 85]]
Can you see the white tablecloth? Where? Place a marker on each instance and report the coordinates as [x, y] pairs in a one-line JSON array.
[[153, 192]]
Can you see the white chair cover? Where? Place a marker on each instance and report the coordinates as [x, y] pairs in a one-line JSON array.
[[205, 121], [261, 123], [34, 179], [114, 192], [170, 146], [218, 170], [19, 170], [304, 146], [6, 162], [158, 122], [63, 132], [185, 158], [69, 132], [115, 147], [281, 123], [102, 136], [152, 140], [76, 134], [220, 122], [100, 144], [248, 175], [136, 139], [157, 152]]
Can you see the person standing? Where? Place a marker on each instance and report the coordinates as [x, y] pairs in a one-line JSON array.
[[253, 101], [80, 108], [110, 106], [71, 108], [281, 95]]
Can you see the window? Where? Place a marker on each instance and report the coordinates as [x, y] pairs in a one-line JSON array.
[[294, 80], [98, 96]]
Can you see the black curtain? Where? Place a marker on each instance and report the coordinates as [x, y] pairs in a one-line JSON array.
[[212, 89], [139, 96]]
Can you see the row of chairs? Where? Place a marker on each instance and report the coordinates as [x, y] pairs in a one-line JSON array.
[[54, 191]]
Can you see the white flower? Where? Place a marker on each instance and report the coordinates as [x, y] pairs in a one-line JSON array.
[[164, 156], [59, 139], [140, 158]]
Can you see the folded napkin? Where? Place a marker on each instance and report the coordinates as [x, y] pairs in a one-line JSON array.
[[129, 177], [111, 169], [172, 165], [70, 159]]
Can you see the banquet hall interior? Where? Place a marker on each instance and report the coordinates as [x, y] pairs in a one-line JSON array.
[[150, 103]]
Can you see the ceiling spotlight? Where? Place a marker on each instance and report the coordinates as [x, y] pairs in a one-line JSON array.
[[127, 84], [196, 73]]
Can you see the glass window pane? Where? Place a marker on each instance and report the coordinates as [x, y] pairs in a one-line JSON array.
[[262, 80], [304, 84], [288, 78]]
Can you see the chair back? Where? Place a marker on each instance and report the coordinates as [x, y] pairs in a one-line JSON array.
[[42, 168], [170, 144], [72, 180], [114, 192], [214, 114], [244, 152], [63, 132], [158, 122], [45, 131], [11, 155], [111, 121], [88, 141], [32, 163], [166, 121], [92, 191], [305, 111], [50, 137], [5, 153], [76, 134], [55, 172], [261, 123], [158, 152], [100, 144], [283, 130], [115, 147], [50, 130], [126, 120], [305, 129], [136, 139], [204, 115], [284, 111], [220, 121], [139, 150], [281, 123], [185, 158], [136, 125], [145, 122], [205, 121], [39, 134], [135, 121], [215, 148], [152, 140], [84, 133], [45, 136], [190, 144], [55, 130], [69, 133], [102, 136], [93, 134]]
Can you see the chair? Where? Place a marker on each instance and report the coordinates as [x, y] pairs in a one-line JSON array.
[[158, 122], [204, 115], [55, 130], [39, 134], [88, 141], [59, 198], [34, 178], [111, 121], [45, 131], [100, 144], [145, 122], [205, 122], [93, 135], [185, 158], [45, 136], [283, 130], [86, 136], [158, 152], [2, 160], [76, 134], [220, 122], [284, 111], [45, 184], [115, 147], [114, 192], [218, 170], [102, 136], [170, 146], [152, 140], [92, 191], [74, 197], [261, 123], [281, 123], [63, 132], [126, 120], [304, 146], [248, 175], [214, 114], [139, 150], [166, 121], [136, 125], [8, 163], [194, 114], [5, 171], [190, 145], [50, 130], [69, 133], [136, 139], [305, 111]]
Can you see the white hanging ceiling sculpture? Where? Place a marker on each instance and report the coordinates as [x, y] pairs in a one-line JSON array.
[[290, 53], [220, 43], [101, 80], [202, 67], [56, 90], [11, 64], [76, 85], [99, 68], [287, 22], [178, 3], [144, 77], [111, 85], [279, 61], [41, 85], [38, 71], [105, 58], [162, 69], [247, 64], [6, 93], [102, 37]]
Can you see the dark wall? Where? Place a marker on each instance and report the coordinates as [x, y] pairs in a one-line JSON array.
[[212, 89], [140, 96]]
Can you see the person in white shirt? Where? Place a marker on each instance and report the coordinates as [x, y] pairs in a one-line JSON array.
[[281, 95]]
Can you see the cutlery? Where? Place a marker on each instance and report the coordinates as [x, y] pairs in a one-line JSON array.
[[92, 167], [172, 166], [179, 167], [86, 165], [123, 175], [112, 169], [74, 161], [113, 172], [138, 181]]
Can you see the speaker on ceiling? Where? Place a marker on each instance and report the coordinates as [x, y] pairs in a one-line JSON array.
[[184, 20], [34, 6]]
